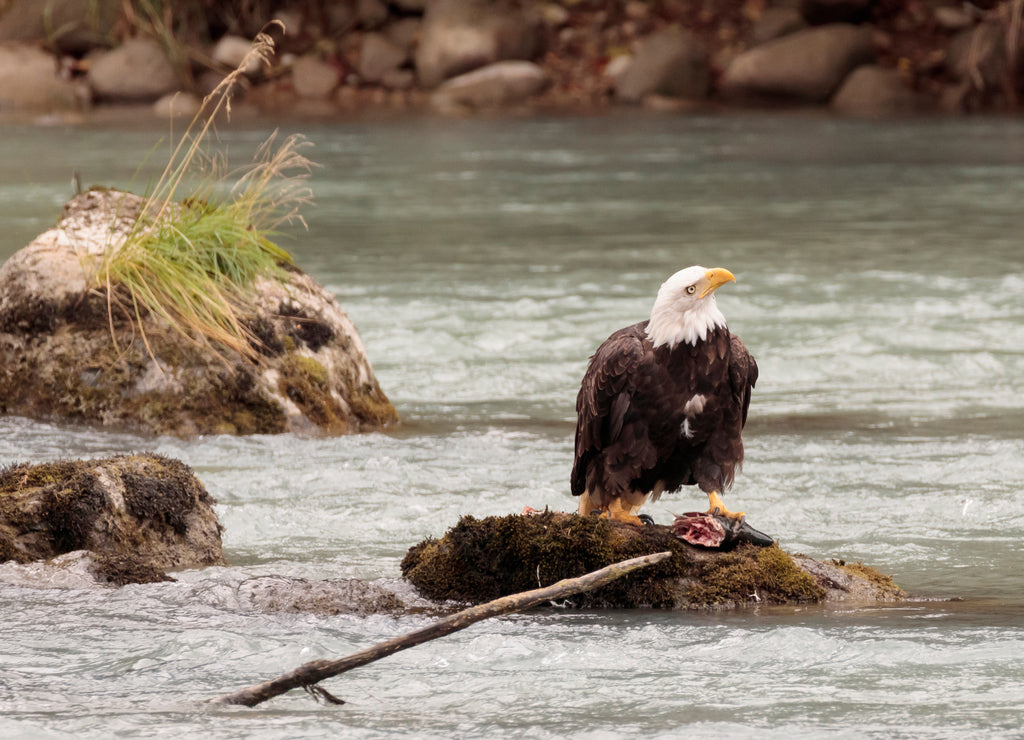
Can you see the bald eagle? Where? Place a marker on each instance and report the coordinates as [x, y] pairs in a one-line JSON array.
[[663, 404]]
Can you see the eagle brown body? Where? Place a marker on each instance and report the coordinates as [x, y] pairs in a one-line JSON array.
[[655, 418]]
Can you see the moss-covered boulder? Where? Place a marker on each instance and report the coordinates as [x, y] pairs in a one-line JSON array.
[[482, 559], [65, 355], [138, 514]]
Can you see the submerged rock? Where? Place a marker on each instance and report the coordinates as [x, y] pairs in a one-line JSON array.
[[482, 559], [59, 358], [137, 515], [280, 594]]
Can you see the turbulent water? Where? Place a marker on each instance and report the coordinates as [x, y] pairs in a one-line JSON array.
[[880, 286]]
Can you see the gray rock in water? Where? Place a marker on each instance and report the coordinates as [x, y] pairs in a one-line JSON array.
[[314, 78], [871, 90], [461, 35], [29, 81], [137, 514], [499, 84], [59, 358], [277, 594], [672, 63], [138, 70], [803, 67], [380, 56]]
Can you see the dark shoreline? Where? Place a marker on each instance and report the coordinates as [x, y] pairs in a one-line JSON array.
[[879, 59]]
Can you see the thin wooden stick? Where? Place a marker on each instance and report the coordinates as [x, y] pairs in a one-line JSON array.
[[305, 676]]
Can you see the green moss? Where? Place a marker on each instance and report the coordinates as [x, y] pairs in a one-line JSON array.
[[20, 476], [90, 377], [753, 574], [885, 584], [305, 382], [91, 380], [482, 559], [308, 367], [371, 407]]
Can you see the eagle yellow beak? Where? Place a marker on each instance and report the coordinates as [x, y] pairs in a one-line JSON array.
[[716, 277]]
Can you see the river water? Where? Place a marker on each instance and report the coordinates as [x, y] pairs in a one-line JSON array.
[[880, 286]]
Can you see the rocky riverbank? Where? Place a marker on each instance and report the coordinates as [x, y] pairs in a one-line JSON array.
[[859, 57]]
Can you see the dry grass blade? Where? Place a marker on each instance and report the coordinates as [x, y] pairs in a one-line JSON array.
[[190, 261]]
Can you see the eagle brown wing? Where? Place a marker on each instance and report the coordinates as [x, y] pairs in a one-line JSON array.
[[742, 373], [604, 398]]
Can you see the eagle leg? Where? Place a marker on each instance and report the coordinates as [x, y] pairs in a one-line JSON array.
[[620, 508], [717, 507]]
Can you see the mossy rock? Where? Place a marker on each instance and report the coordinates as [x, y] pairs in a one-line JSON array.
[[138, 514], [64, 355], [482, 559]]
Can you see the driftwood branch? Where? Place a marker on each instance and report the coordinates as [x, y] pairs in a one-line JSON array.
[[307, 675]]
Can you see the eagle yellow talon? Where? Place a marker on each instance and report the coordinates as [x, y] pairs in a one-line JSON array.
[[716, 507], [618, 516]]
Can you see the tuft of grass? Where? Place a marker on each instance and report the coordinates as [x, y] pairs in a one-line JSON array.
[[191, 260]]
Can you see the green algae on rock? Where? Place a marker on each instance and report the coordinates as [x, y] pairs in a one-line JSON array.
[[66, 355], [138, 515], [482, 559]]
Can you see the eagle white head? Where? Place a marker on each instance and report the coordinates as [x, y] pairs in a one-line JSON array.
[[685, 309]]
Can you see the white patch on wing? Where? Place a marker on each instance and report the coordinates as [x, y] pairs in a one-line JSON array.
[[685, 429], [695, 405]]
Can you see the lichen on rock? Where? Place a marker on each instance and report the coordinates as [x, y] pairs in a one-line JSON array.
[[482, 559], [137, 514], [66, 354]]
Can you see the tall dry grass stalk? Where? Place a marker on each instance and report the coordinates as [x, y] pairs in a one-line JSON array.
[[190, 260]]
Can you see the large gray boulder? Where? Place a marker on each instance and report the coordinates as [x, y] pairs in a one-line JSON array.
[[458, 36], [136, 71], [873, 91], [64, 356], [672, 62], [137, 514], [803, 67], [496, 85], [29, 81]]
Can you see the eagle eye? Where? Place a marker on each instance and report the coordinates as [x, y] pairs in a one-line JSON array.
[[691, 289]]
